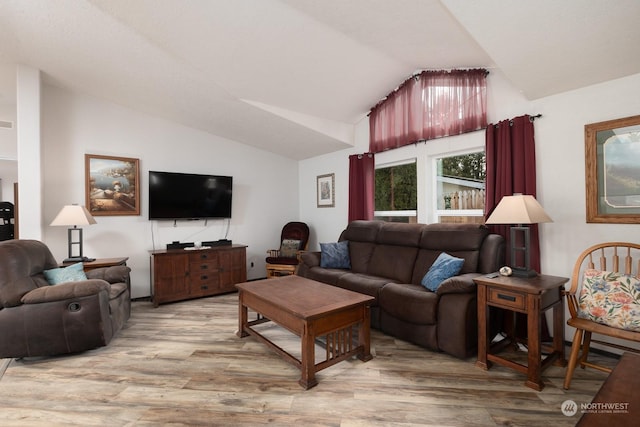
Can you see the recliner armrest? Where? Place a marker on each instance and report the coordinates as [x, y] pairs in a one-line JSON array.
[[65, 291], [113, 274]]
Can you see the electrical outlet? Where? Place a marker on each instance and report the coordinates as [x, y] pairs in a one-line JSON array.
[[251, 264]]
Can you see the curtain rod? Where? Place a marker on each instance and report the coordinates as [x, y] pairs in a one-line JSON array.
[[531, 119]]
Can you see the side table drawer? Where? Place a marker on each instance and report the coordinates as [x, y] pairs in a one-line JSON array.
[[507, 299]]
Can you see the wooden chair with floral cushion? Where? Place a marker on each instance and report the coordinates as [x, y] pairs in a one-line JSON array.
[[294, 238], [604, 299]]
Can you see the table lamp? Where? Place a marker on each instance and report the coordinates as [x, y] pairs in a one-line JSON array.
[[519, 209], [74, 215]]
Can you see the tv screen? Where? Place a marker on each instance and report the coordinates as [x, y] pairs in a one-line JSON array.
[[189, 196]]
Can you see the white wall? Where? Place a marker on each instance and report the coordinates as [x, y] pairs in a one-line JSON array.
[[265, 193]]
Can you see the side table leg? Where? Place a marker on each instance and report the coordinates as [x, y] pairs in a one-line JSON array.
[[242, 316], [534, 362], [483, 325], [364, 335], [558, 333], [308, 358]]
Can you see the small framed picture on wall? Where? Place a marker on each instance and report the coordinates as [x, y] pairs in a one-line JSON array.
[[326, 190]]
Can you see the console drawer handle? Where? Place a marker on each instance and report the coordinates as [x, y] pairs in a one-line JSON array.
[[204, 277], [507, 297]]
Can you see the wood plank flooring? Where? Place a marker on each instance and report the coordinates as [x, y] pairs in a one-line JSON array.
[[182, 364]]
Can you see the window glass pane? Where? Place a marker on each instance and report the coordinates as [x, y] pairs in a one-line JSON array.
[[396, 193], [460, 183]]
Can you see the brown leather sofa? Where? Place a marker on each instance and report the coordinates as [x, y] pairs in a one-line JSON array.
[[38, 319], [388, 262]]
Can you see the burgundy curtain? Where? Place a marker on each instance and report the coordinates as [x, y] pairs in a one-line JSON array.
[[361, 186], [511, 168], [429, 105]]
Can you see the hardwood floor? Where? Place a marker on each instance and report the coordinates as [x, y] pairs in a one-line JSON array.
[[182, 364]]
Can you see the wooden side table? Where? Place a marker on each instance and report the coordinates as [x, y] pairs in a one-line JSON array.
[[532, 296], [101, 262]]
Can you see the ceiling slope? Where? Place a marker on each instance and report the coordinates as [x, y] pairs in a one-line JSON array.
[[294, 76]]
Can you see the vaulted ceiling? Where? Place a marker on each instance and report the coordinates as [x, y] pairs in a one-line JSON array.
[[294, 76]]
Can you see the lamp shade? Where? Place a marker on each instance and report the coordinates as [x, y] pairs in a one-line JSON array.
[[518, 209], [73, 215]]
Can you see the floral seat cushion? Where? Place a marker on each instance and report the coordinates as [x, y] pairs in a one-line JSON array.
[[610, 298]]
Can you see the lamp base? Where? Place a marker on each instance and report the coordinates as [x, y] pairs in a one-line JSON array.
[[78, 259], [523, 272]]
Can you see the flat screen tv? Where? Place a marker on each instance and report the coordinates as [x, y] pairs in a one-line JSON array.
[[189, 196]]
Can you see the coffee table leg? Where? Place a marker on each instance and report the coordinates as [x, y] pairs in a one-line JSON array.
[[308, 359], [242, 316], [364, 335]]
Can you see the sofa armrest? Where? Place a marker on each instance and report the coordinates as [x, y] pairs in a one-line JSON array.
[[310, 259], [462, 284], [65, 291], [113, 274]]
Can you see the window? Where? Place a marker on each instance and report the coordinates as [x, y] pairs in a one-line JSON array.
[[396, 192], [460, 184]]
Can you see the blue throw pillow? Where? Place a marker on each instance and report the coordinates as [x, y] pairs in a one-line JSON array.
[[444, 267], [73, 273], [335, 255]]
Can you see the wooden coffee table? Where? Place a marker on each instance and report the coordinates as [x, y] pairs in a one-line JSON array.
[[308, 309]]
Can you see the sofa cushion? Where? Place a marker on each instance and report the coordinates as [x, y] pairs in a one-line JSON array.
[[459, 240], [394, 262], [362, 231], [362, 283], [444, 267], [72, 273], [360, 254], [329, 276], [400, 234], [410, 303], [335, 255]]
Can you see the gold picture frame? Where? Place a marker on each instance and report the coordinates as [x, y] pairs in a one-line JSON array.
[[326, 190], [112, 185], [612, 171]]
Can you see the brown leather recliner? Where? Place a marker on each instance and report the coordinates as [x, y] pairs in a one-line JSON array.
[[38, 319]]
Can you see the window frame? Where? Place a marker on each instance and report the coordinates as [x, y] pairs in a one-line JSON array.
[[424, 153], [398, 213], [437, 213]]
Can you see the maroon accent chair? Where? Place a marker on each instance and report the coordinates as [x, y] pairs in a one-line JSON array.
[[284, 261]]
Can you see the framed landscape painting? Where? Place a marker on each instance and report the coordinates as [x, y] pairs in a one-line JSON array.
[[112, 185], [612, 167]]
